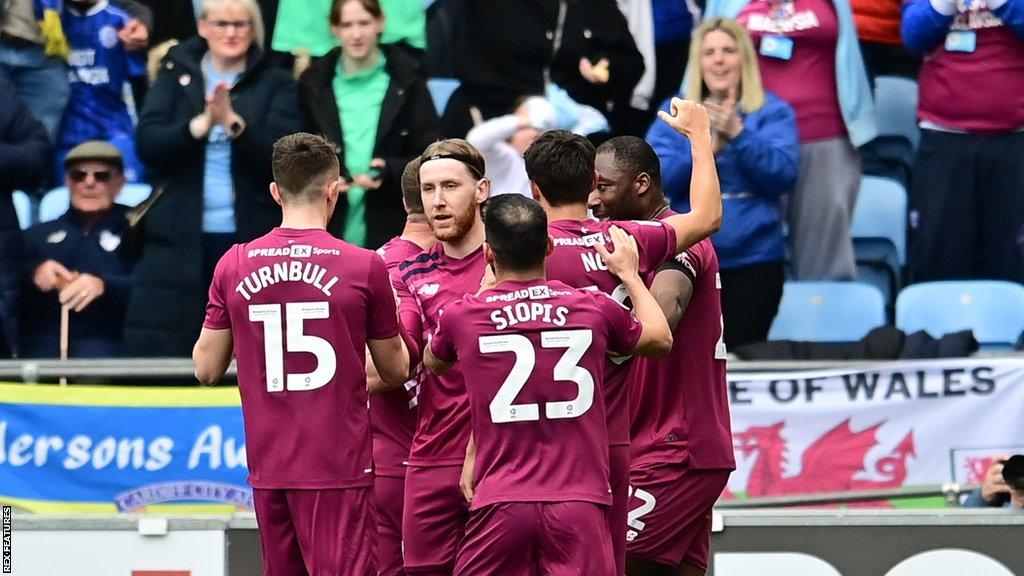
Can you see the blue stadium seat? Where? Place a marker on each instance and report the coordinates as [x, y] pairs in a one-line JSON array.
[[827, 311], [56, 202], [441, 90], [880, 233], [896, 108], [993, 309], [23, 206]]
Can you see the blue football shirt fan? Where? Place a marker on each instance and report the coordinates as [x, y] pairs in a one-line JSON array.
[[98, 69]]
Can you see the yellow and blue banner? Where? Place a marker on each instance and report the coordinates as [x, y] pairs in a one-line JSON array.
[[103, 449]]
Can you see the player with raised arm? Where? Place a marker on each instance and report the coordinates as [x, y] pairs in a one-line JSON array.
[[680, 437], [560, 166], [453, 188], [299, 307], [532, 352], [392, 412]]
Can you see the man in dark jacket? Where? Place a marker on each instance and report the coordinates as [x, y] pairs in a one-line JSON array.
[[506, 45], [408, 123], [75, 261], [24, 155], [165, 310]]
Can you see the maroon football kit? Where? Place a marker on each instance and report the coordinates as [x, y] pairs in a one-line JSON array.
[[533, 355], [435, 513], [301, 305], [681, 441], [575, 262], [392, 421]]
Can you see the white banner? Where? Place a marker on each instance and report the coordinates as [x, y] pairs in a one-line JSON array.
[[906, 423]]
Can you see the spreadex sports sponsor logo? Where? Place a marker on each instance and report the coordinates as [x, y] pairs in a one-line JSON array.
[[295, 251], [531, 293], [588, 240]]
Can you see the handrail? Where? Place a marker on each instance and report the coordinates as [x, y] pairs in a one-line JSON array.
[[951, 492]]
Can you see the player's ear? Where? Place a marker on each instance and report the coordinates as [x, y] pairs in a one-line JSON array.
[[551, 246], [275, 193], [489, 254], [642, 183], [483, 190], [535, 191]]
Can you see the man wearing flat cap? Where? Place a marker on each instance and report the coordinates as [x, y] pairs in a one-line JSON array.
[[76, 261]]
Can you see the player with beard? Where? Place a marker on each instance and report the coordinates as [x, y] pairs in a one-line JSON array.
[[452, 188], [532, 352], [392, 412], [680, 438], [560, 166], [299, 307]]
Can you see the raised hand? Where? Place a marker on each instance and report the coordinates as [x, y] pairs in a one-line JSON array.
[[687, 117]]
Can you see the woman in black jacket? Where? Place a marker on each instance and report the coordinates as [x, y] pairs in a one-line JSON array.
[[372, 101], [207, 130]]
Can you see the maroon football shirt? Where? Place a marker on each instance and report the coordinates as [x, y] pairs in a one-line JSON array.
[[428, 283], [392, 415], [680, 402], [575, 262], [300, 305], [533, 355]]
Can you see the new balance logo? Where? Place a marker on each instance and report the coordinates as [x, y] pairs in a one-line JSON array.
[[428, 289]]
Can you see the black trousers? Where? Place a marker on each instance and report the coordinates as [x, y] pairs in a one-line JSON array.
[[967, 207], [750, 300]]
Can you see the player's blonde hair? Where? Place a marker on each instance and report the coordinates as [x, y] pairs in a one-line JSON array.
[[751, 91], [258, 31]]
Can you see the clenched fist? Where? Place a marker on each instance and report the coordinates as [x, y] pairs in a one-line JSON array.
[[687, 117]]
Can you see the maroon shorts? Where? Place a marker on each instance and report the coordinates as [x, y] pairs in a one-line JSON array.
[[434, 518], [618, 460], [670, 513], [388, 495], [317, 532], [531, 538]]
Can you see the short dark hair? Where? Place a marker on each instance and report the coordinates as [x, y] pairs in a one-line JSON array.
[[371, 6], [633, 155], [456, 149], [302, 164], [516, 229], [411, 187], [561, 164]]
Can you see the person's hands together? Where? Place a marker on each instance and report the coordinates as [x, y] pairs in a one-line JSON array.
[[595, 73], [52, 275], [367, 180], [81, 292], [724, 115]]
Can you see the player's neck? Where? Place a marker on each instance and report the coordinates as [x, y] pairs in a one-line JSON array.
[[519, 275], [468, 244], [653, 209], [303, 219], [418, 232], [566, 212]]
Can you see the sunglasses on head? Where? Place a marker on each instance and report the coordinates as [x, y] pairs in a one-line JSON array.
[[102, 176]]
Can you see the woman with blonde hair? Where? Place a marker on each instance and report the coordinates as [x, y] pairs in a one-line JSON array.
[[757, 153], [206, 133]]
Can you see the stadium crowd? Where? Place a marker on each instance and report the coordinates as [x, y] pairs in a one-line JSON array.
[[193, 94]]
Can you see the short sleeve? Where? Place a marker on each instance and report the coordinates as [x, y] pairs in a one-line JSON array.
[[442, 344], [624, 329], [655, 241], [217, 317], [381, 317]]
